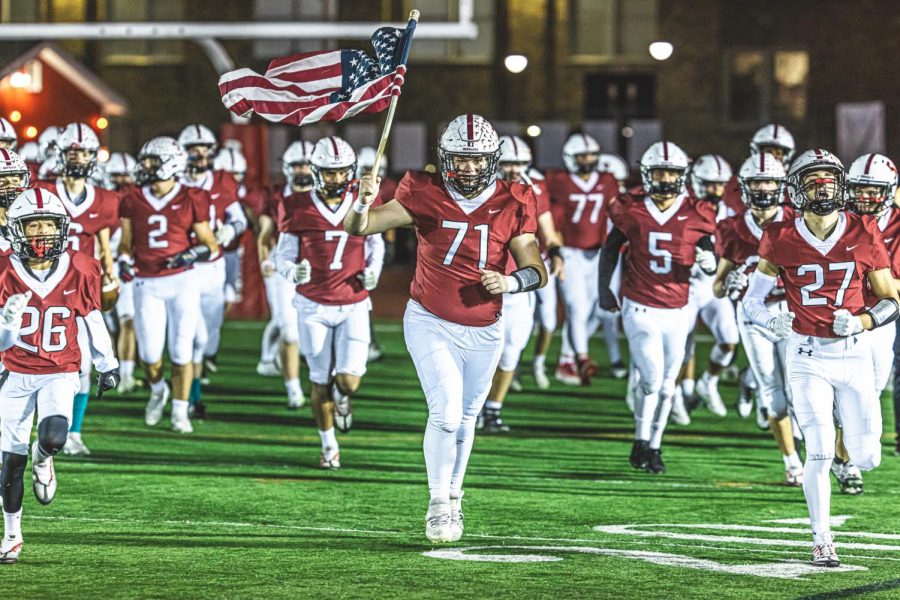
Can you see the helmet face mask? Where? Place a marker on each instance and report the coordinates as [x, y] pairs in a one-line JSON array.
[[666, 183], [78, 163], [160, 159], [868, 199], [468, 155], [38, 226], [587, 162], [333, 166], [871, 184], [332, 183], [762, 194], [513, 171], [823, 190], [199, 158], [469, 174]]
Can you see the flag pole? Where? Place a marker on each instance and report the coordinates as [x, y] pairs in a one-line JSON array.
[[389, 119]]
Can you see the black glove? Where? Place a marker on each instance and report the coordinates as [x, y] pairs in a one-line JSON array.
[[107, 381], [126, 270], [608, 300], [188, 257]]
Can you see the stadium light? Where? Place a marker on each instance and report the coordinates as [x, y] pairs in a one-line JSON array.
[[20, 79], [15, 116], [661, 50], [515, 63], [533, 131]]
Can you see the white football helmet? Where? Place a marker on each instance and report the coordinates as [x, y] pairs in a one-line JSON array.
[[829, 193], [871, 170], [30, 152], [709, 168], [11, 165], [298, 153], [580, 143], [77, 136], [469, 136], [513, 149], [774, 136], [34, 204], [668, 157], [198, 135], [615, 165], [365, 159], [332, 154], [160, 159], [762, 167], [121, 163], [8, 134], [231, 161], [47, 141]]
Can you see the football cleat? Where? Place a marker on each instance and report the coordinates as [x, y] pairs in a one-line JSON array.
[[655, 462], [824, 554], [182, 425], [153, 413], [848, 476], [295, 401], [456, 518], [639, 454], [267, 369], [586, 370], [330, 458], [679, 414], [709, 392], [10, 549], [211, 364], [540, 376], [793, 477], [375, 353], [493, 423], [516, 384], [343, 411], [75, 446], [762, 418], [43, 477], [567, 373], [127, 385], [438, 524], [618, 370], [744, 406]]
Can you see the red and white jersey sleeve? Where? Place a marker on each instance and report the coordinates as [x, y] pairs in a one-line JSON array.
[[162, 227], [336, 258], [457, 238], [98, 210], [822, 276], [661, 247], [47, 341], [580, 207]]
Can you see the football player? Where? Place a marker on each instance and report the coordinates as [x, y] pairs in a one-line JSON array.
[[579, 196], [825, 259], [44, 289], [616, 166], [14, 178], [771, 139], [515, 167], [709, 175], [8, 138], [93, 215], [156, 251], [227, 221], [333, 281], [667, 233], [231, 160], [49, 167], [281, 336], [762, 179], [467, 223]]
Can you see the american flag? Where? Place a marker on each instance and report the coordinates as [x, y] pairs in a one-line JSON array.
[[329, 85]]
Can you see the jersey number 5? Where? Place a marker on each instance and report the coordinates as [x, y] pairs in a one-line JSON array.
[[461, 228], [663, 263], [849, 268], [53, 337]]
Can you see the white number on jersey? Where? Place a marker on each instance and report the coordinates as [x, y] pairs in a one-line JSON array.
[[53, 337], [849, 268], [664, 264], [461, 228], [337, 262], [157, 237], [582, 200], [75, 229]]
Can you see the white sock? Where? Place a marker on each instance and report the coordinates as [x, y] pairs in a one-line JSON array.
[[328, 439], [566, 358], [293, 387], [157, 386], [711, 379], [12, 524], [660, 419], [440, 458], [687, 387], [75, 435], [644, 411], [179, 409], [492, 405], [792, 461], [465, 437], [817, 489], [126, 368], [539, 360]]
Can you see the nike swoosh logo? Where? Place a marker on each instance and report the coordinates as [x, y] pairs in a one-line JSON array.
[[93, 215], [888, 240], [67, 292], [491, 212], [176, 206], [849, 248], [682, 218], [214, 196]]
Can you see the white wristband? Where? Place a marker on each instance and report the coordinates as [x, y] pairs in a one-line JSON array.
[[512, 284], [359, 207]]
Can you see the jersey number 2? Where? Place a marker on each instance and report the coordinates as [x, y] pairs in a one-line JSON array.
[[157, 237], [849, 268], [49, 331]]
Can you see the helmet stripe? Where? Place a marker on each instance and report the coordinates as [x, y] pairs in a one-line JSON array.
[[775, 131], [470, 128], [334, 146], [762, 161], [40, 198], [5, 153], [666, 151], [718, 164], [199, 135], [869, 163], [78, 127], [515, 146]]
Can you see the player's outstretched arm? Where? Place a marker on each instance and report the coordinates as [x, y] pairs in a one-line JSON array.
[[102, 354], [365, 220], [609, 258]]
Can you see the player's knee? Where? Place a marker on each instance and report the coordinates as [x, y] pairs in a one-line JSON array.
[[52, 433], [722, 354], [347, 384], [445, 423]]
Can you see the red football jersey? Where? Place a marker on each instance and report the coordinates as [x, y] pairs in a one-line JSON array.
[[889, 225], [580, 207], [737, 240], [459, 238], [821, 276], [661, 247], [253, 198], [336, 258], [48, 336], [98, 210], [162, 227], [223, 192]]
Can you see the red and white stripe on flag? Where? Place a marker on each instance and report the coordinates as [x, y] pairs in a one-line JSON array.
[[297, 90]]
